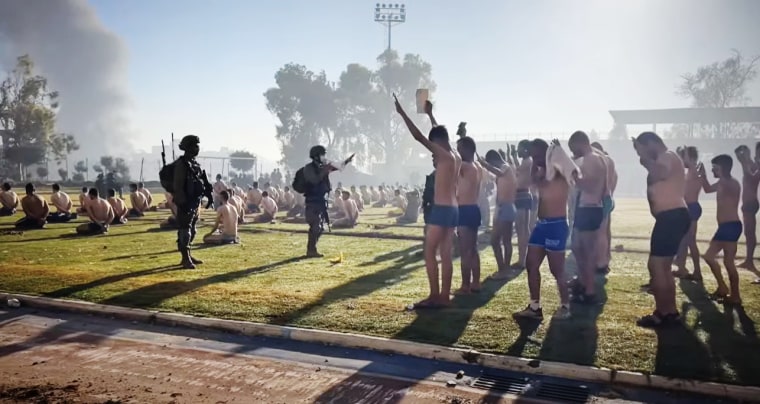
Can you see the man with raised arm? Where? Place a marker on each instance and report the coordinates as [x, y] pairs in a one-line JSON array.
[[729, 230], [523, 199], [468, 193], [690, 157], [666, 183], [549, 237], [589, 214], [444, 214], [750, 204], [506, 187]]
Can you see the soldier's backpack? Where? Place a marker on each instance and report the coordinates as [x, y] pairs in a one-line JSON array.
[[166, 176], [299, 181]]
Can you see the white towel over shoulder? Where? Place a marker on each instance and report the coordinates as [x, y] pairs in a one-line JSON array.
[[557, 161]]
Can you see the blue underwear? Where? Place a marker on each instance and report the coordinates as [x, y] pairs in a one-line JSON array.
[[608, 205], [469, 216], [728, 231], [550, 234], [695, 211], [444, 216], [507, 212], [523, 200]]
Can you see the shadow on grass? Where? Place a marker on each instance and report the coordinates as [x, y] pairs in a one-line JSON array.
[[131, 256], [413, 253], [724, 348], [153, 295], [358, 287], [71, 290], [576, 340], [446, 326]]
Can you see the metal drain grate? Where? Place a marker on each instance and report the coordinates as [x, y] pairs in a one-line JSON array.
[[511, 385], [563, 392]]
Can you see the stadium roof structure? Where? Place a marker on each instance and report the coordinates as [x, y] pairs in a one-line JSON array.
[[687, 115]]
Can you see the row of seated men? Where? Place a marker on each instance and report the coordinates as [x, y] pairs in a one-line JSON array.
[[406, 203], [37, 213]]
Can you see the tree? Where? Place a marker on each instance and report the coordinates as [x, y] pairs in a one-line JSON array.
[[304, 103], [356, 115], [27, 118], [244, 165], [107, 163], [121, 168], [97, 168], [63, 174], [78, 177], [80, 167], [720, 85], [42, 172]]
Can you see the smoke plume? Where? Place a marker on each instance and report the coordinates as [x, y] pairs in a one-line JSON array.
[[82, 60]]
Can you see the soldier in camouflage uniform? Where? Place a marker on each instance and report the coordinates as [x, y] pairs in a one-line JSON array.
[[188, 193]]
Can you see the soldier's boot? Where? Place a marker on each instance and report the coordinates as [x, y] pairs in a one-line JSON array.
[[311, 246], [183, 244], [194, 260]]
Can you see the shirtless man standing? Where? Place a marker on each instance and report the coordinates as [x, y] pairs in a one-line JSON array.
[[506, 187], [36, 210], [444, 215], [8, 201], [666, 184], [468, 193], [729, 228], [523, 199], [750, 205], [608, 204], [589, 214], [63, 206], [100, 213], [690, 157], [549, 237], [120, 210]]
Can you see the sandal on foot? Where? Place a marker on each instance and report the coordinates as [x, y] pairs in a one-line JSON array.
[[656, 320]]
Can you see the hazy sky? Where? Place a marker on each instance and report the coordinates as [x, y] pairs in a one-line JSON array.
[[197, 66]]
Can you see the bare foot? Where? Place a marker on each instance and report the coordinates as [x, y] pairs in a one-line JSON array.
[[461, 291], [429, 303]]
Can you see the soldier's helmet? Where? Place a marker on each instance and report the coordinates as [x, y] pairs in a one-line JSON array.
[[189, 140]]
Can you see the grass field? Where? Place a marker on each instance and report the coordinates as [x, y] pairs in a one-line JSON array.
[[264, 279]]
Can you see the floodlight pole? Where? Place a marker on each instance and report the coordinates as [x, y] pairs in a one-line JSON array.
[[390, 15]]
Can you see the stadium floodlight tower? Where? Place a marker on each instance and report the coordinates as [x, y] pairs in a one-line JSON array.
[[390, 15]]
